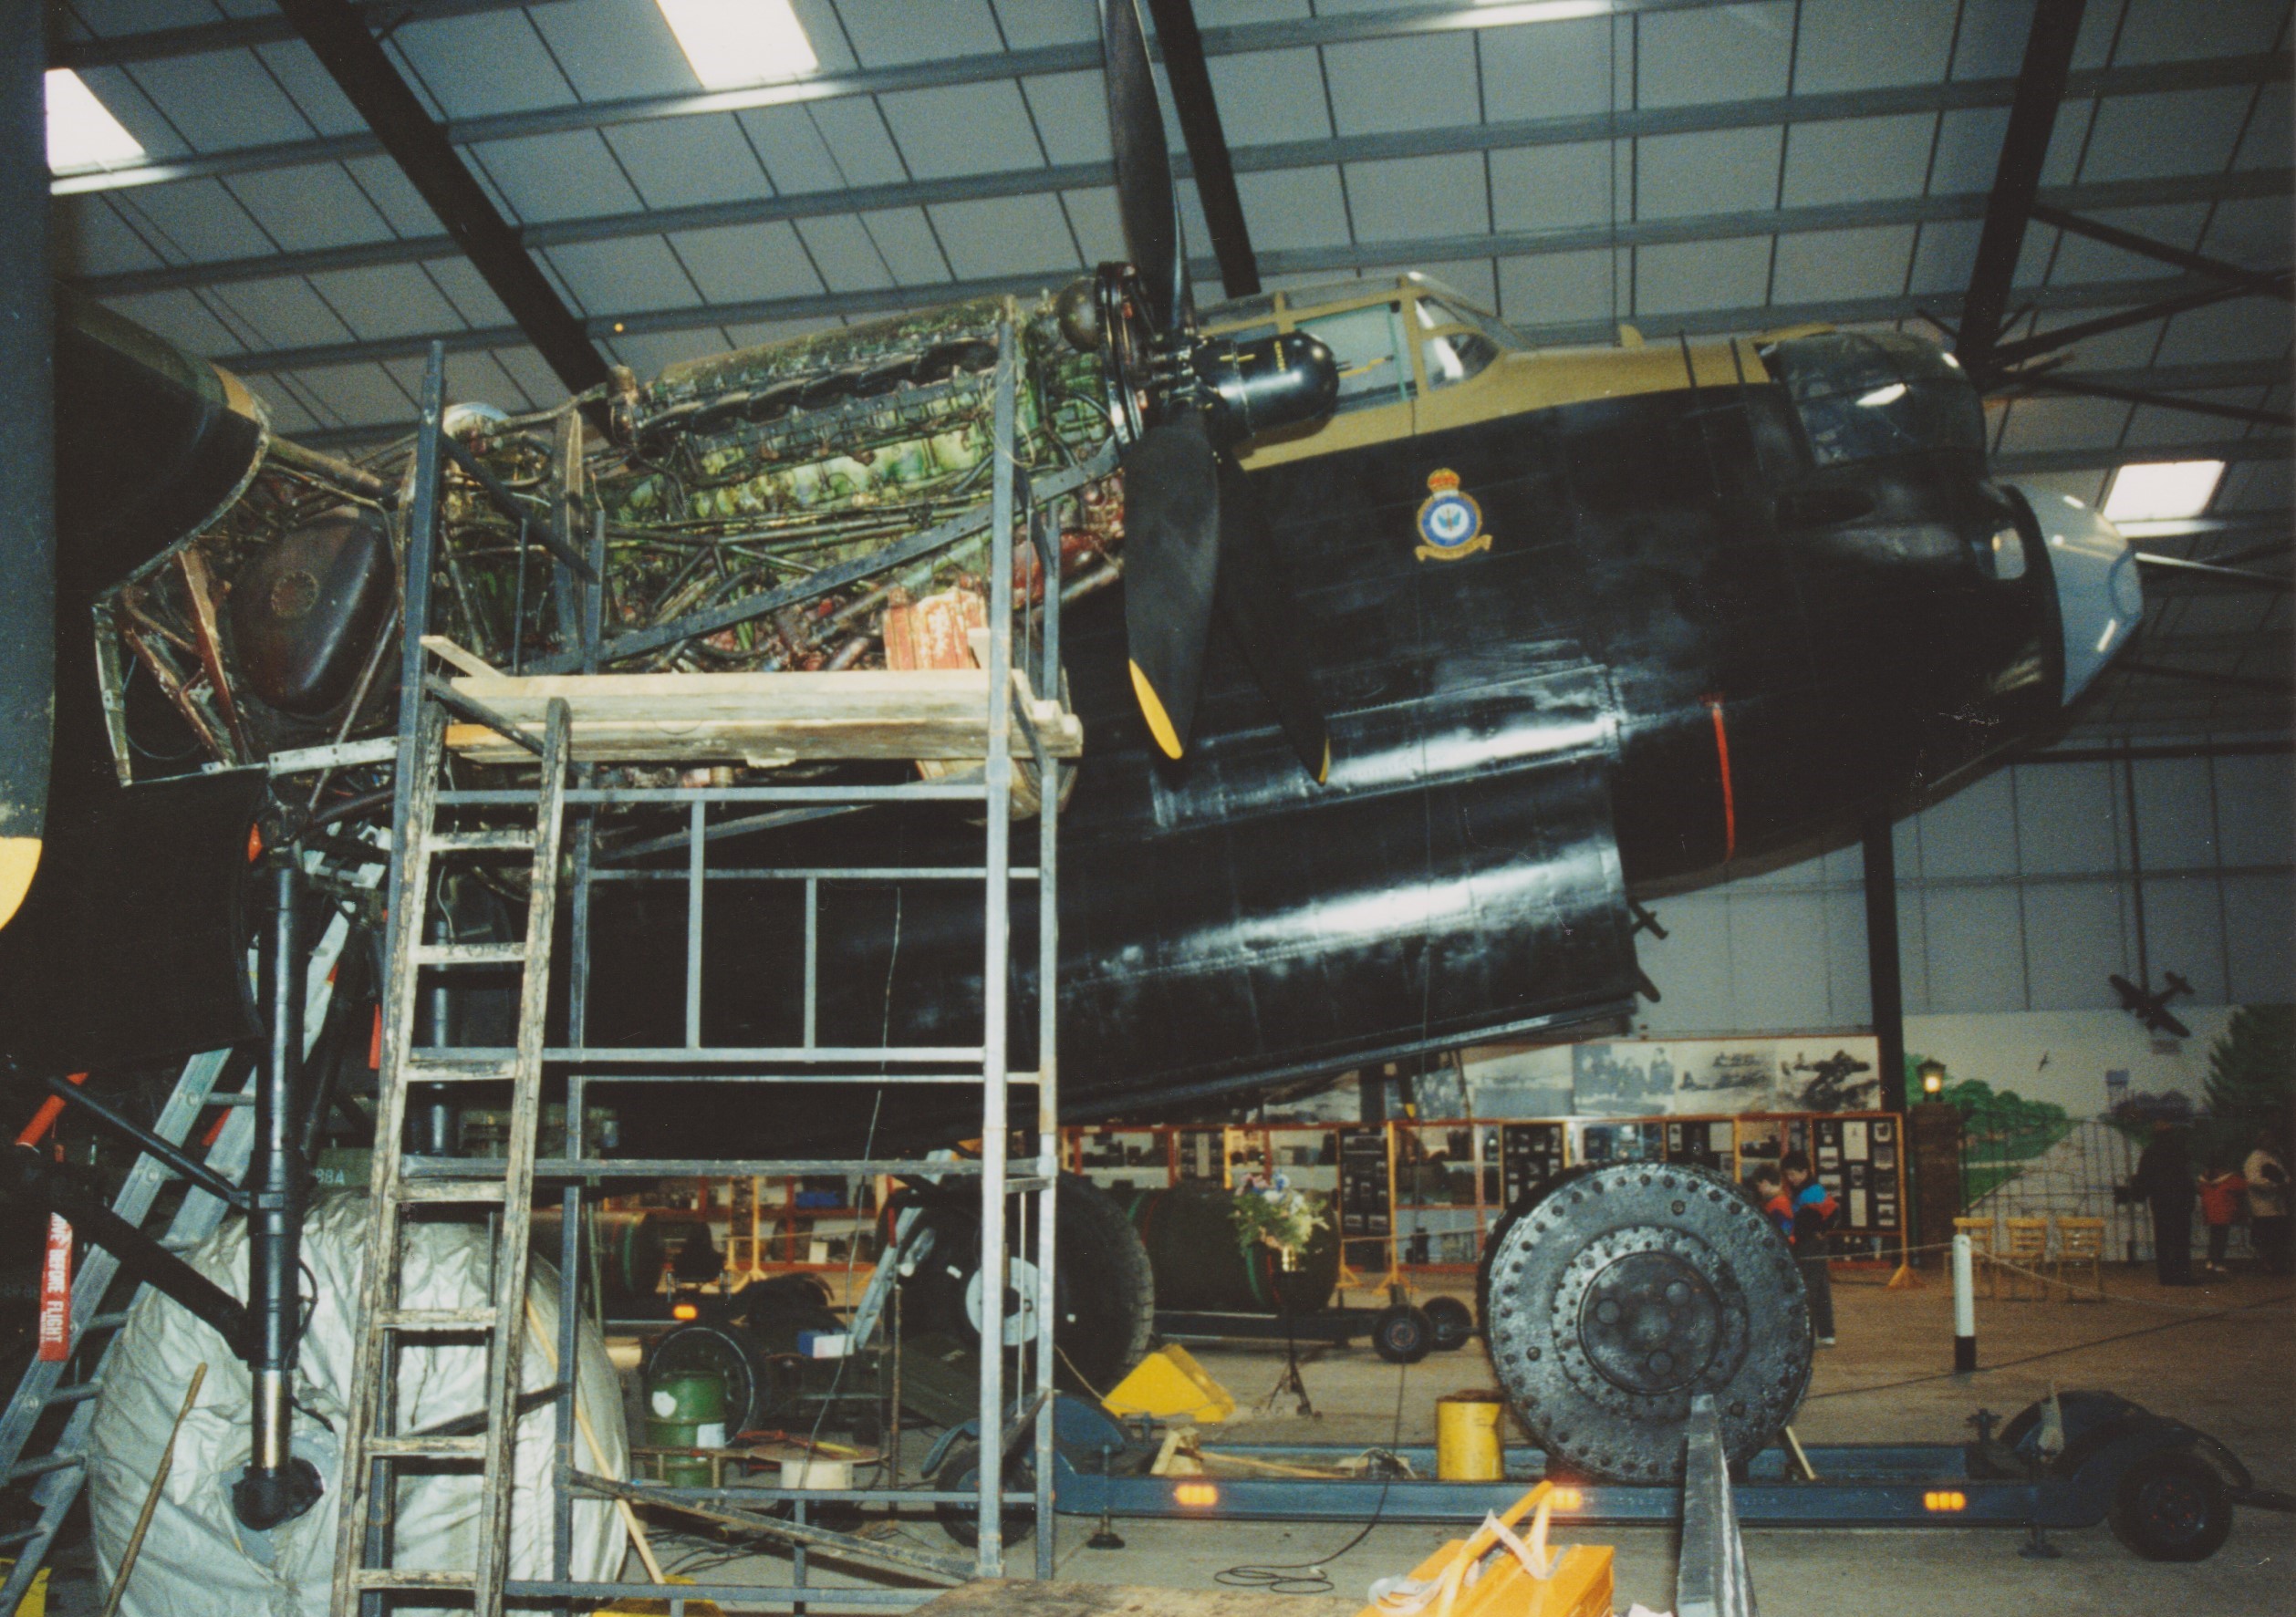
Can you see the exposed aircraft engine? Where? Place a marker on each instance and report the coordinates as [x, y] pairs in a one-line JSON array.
[[722, 481]]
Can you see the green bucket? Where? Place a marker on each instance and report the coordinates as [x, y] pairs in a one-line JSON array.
[[685, 1409]]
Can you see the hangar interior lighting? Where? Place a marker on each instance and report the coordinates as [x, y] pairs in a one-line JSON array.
[[2161, 490], [1501, 11], [81, 132], [732, 43]]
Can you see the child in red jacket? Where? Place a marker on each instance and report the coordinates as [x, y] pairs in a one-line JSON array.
[[2220, 1196]]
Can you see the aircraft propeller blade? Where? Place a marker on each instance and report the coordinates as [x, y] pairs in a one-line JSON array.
[[1144, 167], [1171, 562], [1255, 607]]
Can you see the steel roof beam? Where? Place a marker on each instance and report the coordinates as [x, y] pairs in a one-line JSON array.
[[2075, 388], [2126, 193], [1400, 22], [152, 45], [2274, 447], [2147, 79], [2263, 284], [338, 34], [2033, 118], [2048, 342], [1084, 176]]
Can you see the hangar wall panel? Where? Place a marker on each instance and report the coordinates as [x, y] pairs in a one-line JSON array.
[[2020, 892]]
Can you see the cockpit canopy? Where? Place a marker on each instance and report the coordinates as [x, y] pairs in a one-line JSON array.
[[1863, 398]]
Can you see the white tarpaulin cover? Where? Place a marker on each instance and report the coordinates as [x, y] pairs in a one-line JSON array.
[[197, 1560]]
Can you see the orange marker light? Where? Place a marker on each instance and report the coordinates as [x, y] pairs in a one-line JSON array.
[[685, 1310], [1567, 1498], [1197, 1496], [1945, 1500]]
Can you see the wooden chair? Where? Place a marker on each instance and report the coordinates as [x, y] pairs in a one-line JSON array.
[[2027, 1253], [2080, 1245], [1981, 1233]]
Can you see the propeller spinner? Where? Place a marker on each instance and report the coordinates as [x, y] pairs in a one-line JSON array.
[[1195, 539]]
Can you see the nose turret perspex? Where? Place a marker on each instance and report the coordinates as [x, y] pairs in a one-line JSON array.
[[2100, 599]]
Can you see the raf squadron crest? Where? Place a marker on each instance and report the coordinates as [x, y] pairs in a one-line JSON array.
[[1451, 523]]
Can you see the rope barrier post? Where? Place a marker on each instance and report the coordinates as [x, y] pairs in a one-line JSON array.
[[1964, 1306]]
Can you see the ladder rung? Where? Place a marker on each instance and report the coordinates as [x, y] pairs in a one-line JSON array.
[[475, 842], [408, 1578], [452, 1191], [20, 1536], [75, 1394], [427, 1448], [112, 1321], [470, 954], [436, 1319], [480, 1069], [44, 1465]]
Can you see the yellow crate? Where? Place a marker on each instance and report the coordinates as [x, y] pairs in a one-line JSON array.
[[1580, 1580]]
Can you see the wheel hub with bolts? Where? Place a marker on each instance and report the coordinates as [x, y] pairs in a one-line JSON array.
[[1643, 1316], [1649, 1321]]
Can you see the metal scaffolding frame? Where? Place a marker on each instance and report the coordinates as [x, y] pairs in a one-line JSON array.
[[999, 1173]]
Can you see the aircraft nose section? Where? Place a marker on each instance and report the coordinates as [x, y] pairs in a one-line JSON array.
[[2100, 598]]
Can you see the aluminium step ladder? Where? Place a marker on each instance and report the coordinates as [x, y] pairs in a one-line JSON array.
[[373, 1453], [59, 1475]]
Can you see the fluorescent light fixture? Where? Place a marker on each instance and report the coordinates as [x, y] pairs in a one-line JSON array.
[[2159, 490], [733, 43], [81, 132], [1498, 14]]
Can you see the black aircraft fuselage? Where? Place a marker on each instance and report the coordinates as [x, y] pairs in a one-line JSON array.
[[1583, 624], [1680, 630]]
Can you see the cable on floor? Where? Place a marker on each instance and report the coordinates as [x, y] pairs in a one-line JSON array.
[[1308, 1576]]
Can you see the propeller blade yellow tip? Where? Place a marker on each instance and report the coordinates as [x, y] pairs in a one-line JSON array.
[[1159, 722]]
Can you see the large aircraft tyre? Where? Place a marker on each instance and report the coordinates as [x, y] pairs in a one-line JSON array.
[[1105, 1295], [1620, 1292]]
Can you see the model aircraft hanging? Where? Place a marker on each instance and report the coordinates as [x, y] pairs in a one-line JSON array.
[[1509, 635]]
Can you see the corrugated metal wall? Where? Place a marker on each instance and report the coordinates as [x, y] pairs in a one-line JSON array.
[[2019, 893]]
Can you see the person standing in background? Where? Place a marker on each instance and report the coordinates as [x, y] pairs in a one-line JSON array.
[[2266, 1173], [2220, 1209], [2165, 1179], [1813, 1214], [1767, 1186]]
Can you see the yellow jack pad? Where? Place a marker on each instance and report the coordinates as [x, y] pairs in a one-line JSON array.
[[1168, 1385]]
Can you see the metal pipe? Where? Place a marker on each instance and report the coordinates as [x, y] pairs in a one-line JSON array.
[[67, 1093], [346, 477], [995, 1122], [277, 1487]]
